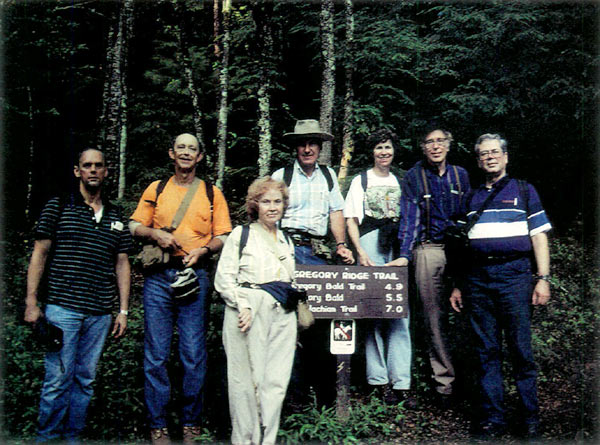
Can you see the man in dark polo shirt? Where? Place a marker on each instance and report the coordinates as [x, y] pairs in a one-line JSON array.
[[84, 242]]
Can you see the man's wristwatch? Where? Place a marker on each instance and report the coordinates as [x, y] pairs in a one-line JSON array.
[[341, 243], [124, 312], [542, 277]]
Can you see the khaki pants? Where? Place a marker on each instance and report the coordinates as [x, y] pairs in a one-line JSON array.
[[262, 357], [430, 262]]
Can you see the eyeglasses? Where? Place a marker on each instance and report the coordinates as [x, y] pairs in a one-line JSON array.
[[495, 153], [431, 142]]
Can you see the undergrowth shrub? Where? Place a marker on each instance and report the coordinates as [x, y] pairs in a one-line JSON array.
[[565, 334], [370, 422]]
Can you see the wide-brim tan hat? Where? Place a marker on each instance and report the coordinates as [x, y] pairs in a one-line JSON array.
[[309, 128]]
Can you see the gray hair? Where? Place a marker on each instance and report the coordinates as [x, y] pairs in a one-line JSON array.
[[491, 137]]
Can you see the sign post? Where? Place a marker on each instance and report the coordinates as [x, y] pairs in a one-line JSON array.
[[346, 293]]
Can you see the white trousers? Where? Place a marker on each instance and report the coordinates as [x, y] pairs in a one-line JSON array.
[[259, 364]]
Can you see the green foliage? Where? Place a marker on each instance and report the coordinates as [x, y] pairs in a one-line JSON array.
[[370, 421], [493, 66], [565, 337], [23, 372], [565, 333]]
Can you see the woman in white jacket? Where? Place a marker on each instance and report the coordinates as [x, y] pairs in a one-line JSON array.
[[259, 333]]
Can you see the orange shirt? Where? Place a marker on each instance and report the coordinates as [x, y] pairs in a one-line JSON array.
[[194, 230]]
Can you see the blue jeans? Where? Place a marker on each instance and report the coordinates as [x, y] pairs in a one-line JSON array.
[[161, 314], [387, 347], [304, 255], [498, 299], [67, 388]]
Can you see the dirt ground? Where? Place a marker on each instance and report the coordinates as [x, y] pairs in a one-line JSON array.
[[568, 414]]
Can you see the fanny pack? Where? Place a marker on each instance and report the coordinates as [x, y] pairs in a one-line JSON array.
[[285, 293]]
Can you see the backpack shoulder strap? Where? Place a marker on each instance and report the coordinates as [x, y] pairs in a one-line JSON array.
[[327, 175], [63, 202], [524, 194], [457, 176], [159, 189], [288, 172], [364, 180], [210, 193], [244, 238], [287, 237], [427, 197], [495, 192]]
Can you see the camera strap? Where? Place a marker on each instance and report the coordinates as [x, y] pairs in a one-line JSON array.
[[497, 189]]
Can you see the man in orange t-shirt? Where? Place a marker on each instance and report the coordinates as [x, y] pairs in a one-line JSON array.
[[199, 234]]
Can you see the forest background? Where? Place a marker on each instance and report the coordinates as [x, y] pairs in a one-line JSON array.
[[130, 75]]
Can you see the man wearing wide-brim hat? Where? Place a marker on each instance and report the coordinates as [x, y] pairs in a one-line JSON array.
[[315, 197], [315, 201]]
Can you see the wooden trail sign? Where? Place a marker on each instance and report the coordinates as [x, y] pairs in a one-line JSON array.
[[355, 291]]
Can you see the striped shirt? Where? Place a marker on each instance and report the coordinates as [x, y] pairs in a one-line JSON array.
[[311, 202], [508, 223], [81, 274]]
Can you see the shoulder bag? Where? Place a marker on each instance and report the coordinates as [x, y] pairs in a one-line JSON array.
[[152, 255]]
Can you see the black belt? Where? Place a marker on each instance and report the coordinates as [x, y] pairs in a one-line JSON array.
[[497, 259]]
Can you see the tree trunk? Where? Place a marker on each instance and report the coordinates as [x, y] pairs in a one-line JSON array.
[[328, 79], [216, 28], [123, 149], [107, 84], [183, 57], [347, 141], [28, 202], [128, 29], [223, 90], [262, 18], [113, 120]]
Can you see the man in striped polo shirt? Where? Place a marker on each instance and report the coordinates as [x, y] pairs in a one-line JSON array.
[[499, 290], [84, 242]]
